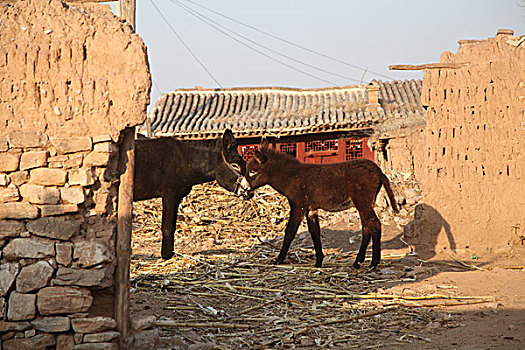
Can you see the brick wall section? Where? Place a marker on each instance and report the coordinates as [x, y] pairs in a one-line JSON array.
[[72, 77], [474, 160]]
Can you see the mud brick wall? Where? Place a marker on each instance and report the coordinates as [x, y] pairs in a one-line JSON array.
[[69, 70], [474, 160], [72, 77], [401, 153]]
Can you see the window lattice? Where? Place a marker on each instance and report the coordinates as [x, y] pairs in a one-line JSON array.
[[289, 148], [354, 149], [321, 145], [247, 152]]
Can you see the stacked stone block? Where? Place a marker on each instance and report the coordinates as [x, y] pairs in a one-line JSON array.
[[57, 234]]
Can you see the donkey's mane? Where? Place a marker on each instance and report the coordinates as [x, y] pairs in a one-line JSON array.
[[279, 157], [193, 144]]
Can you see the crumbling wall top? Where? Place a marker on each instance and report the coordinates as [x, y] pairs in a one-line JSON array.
[[470, 49], [69, 70]]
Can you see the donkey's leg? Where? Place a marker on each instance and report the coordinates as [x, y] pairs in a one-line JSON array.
[[364, 244], [371, 228], [365, 232], [170, 208], [296, 216], [376, 240], [315, 231]]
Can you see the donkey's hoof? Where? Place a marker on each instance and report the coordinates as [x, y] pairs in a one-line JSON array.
[[278, 261], [373, 264], [319, 264], [356, 265], [167, 255]]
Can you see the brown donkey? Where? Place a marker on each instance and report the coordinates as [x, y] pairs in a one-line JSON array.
[[332, 187], [169, 168]]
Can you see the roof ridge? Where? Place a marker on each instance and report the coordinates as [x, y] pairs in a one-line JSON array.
[[267, 88], [240, 89]]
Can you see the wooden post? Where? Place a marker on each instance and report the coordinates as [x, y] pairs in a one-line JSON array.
[[123, 244], [149, 133], [118, 8], [125, 214]]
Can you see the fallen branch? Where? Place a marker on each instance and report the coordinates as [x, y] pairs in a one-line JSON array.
[[416, 337], [474, 267], [173, 324], [513, 267], [400, 297], [257, 307], [459, 303], [343, 320], [444, 263]]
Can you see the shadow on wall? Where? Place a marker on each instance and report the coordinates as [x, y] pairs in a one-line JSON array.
[[422, 233]]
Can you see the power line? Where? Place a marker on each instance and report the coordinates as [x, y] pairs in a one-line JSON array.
[[288, 41], [185, 45], [187, 8], [156, 86], [251, 47]]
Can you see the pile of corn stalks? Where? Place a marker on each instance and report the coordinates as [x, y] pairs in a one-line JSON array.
[[222, 291]]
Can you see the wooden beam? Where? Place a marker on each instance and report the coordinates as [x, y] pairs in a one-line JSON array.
[[427, 66], [123, 240], [118, 9], [469, 41], [128, 8], [87, 1]]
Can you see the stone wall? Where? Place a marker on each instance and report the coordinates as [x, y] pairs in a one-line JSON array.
[[72, 78], [57, 233], [474, 158]]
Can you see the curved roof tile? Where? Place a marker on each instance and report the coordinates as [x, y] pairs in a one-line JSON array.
[[197, 113]]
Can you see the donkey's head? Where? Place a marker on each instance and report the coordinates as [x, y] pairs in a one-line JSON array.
[[256, 174], [231, 165]]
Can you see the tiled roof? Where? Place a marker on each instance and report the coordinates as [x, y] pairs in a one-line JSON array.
[[197, 113]]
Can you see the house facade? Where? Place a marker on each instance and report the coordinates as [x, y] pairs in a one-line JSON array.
[[315, 125]]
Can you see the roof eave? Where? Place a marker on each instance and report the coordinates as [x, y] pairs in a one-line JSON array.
[[277, 133]]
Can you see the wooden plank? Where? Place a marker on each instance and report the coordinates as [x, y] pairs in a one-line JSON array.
[[427, 66], [123, 240]]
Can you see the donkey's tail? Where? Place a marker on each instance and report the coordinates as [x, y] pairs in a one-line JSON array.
[[386, 185]]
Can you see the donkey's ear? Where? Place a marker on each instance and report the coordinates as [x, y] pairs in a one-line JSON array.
[[228, 140], [264, 144], [260, 158]]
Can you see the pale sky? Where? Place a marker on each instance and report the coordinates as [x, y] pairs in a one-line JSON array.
[[370, 34]]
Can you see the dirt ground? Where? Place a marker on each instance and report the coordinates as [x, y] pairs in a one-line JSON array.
[[221, 290], [499, 324]]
